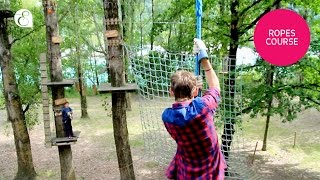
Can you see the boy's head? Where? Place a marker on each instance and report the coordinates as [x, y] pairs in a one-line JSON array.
[[66, 104], [183, 85]]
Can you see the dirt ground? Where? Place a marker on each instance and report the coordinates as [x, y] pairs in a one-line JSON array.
[[94, 155], [283, 161]]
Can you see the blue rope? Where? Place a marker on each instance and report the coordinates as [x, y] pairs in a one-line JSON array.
[[198, 31]]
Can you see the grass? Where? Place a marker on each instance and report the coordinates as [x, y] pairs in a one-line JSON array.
[[254, 128], [151, 164], [100, 122], [49, 174], [281, 138]]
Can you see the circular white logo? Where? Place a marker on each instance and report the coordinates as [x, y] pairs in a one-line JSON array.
[[23, 18]]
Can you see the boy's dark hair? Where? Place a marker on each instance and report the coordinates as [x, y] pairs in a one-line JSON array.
[[183, 83]]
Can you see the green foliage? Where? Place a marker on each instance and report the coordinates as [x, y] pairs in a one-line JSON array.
[[155, 79], [71, 93], [26, 48], [32, 116], [173, 26], [2, 102], [82, 29], [294, 89]]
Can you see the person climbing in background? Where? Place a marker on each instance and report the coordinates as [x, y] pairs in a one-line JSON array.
[[190, 123], [66, 119]]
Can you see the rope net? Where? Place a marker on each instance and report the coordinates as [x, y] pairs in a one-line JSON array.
[[167, 27], [152, 70]]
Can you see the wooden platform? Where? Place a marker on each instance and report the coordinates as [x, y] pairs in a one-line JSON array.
[[65, 140], [65, 83], [106, 88]]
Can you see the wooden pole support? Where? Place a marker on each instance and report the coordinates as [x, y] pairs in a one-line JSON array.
[[116, 64], [55, 66], [56, 39], [254, 153], [112, 34]]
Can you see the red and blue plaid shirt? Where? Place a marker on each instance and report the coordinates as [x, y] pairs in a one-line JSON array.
[[191, 125]]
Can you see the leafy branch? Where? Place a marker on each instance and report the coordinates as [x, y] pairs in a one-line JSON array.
[[37, 29], [254, 22]]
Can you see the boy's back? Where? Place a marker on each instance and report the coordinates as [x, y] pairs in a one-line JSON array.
[[191, 125]]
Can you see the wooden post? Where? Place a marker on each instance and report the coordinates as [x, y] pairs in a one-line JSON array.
[[295, 139], [116, 64], [54, 58], [254, 153]]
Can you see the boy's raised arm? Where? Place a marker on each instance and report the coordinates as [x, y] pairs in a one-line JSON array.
[[211, 77]]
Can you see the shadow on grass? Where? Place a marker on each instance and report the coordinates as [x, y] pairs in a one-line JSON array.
[[265, 170]]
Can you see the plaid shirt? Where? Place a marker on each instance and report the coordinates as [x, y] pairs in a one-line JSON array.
[[191, 125]]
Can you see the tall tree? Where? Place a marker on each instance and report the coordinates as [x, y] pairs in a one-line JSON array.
[[54, 58], [152, 26], [16, 115], [119, 117], [83, 96], [285, 91], [82, 92], [269, 99], [238, 29]]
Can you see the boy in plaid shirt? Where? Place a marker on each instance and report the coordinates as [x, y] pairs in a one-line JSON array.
[[190, 123]]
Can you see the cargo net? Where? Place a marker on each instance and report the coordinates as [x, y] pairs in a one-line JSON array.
[[151, 70]]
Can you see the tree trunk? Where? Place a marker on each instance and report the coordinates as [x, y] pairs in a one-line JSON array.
[[265, 137], [169, 36], [82, 90], [141, 30], [229, 120], [96, 72], [269, 82], [121, 136], [125, 37], [16, 116], [180, 35], [115, 51], [83, 97], [54, 58], [152, 28]]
